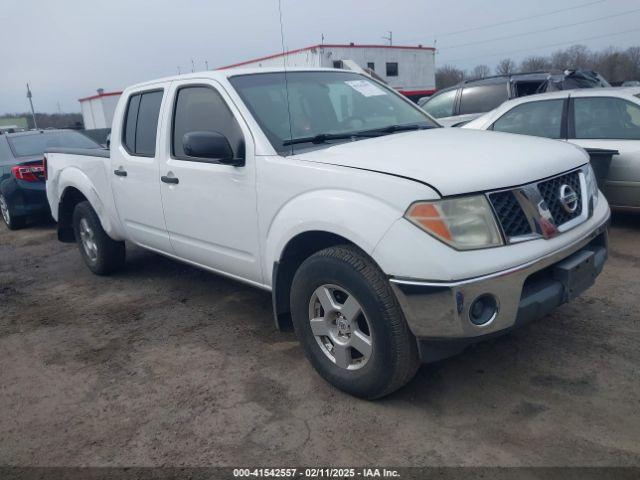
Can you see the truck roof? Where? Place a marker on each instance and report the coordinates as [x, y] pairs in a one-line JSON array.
[[232, 72]]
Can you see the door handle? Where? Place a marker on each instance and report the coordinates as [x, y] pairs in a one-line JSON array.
[[173, 180], [120, 173]]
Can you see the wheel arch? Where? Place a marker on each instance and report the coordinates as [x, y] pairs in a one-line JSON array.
[[73, 186], [296, 251], [71, 196]]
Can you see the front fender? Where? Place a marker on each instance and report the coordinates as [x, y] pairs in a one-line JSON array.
[[359, 218]]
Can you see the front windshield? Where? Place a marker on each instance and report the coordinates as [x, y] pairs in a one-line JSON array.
[[322, 103], [34, 144]]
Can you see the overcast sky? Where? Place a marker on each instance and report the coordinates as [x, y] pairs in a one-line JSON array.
[[67, 49]]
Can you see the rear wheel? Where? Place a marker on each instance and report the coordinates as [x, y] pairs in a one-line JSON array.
[[350, 325], [101, 253], [10, 220]]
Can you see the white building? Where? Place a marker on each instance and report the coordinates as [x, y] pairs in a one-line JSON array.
[[97, 110], [411, 70]]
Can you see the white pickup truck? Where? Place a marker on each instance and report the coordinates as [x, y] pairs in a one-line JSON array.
[[384, 239]]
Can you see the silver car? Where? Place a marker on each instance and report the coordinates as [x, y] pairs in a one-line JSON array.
[[599, 120]]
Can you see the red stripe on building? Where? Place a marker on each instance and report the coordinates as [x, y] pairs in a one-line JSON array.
[[93, 97], [290, 52]]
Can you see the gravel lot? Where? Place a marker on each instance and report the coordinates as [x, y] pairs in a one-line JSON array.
[[164, 364]]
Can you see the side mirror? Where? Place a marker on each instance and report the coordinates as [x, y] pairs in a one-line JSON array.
[[212, 145]]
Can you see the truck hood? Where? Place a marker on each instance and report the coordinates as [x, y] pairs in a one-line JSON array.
[[455, 161]]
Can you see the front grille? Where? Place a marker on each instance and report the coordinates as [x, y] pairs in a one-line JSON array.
[[522, 211], [550, 189], [510, 214]]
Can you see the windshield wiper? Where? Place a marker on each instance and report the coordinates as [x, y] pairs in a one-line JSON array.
[[323, 137], [395, 128]]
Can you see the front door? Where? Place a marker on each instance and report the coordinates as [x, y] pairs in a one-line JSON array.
[[134, 169], [611, 123], [210, 207]]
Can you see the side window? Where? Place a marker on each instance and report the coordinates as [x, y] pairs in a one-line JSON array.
[[5, 152], [392, 69], [540, 119], [441, 105], [141, 123], [601, 117], [482, 98], [147, 128], [202, 109], [131, 117]]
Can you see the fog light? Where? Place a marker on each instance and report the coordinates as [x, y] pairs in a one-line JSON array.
[[483, 309]]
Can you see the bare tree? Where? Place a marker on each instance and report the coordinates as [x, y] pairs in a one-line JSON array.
[[480, 71], [579, 57], [633, 62], [533, 64], [448, 75], [612, 63], [506, 67]]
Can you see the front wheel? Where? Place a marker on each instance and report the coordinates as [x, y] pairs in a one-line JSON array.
[[350, 324], [101, 253], [11, 221]]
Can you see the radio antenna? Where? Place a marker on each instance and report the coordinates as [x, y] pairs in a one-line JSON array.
[[284, 64]]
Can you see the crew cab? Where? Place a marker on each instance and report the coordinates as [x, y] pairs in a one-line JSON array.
[[384, 239]]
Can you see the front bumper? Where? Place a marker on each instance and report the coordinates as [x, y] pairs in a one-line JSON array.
[[438, 313]]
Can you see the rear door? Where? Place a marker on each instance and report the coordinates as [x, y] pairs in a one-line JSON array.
[[135, 170], [611, 123], [210, 207]]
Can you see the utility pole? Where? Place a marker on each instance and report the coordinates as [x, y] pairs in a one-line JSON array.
[[206, 65], [322, 39], [389, 38], [33, 112], [193, 66]]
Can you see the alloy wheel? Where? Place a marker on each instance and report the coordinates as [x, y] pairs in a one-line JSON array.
[[88, 240], [4, 209], [340, 327]]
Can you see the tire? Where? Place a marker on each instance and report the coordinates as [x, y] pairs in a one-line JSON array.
[[381, 351], [101, 253], [11, 221]]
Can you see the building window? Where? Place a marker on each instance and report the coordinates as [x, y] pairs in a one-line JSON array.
[[371, 66], [392, 69], [337, 64]]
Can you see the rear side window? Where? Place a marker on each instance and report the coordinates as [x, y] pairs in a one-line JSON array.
[[540, 119], [603, 118], [141, 123], [441, 105], [130, 123], [202, 109], [5, 153], [482, 98]]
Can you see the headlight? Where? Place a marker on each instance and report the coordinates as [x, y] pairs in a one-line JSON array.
[[592, 185], [465, 223]]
